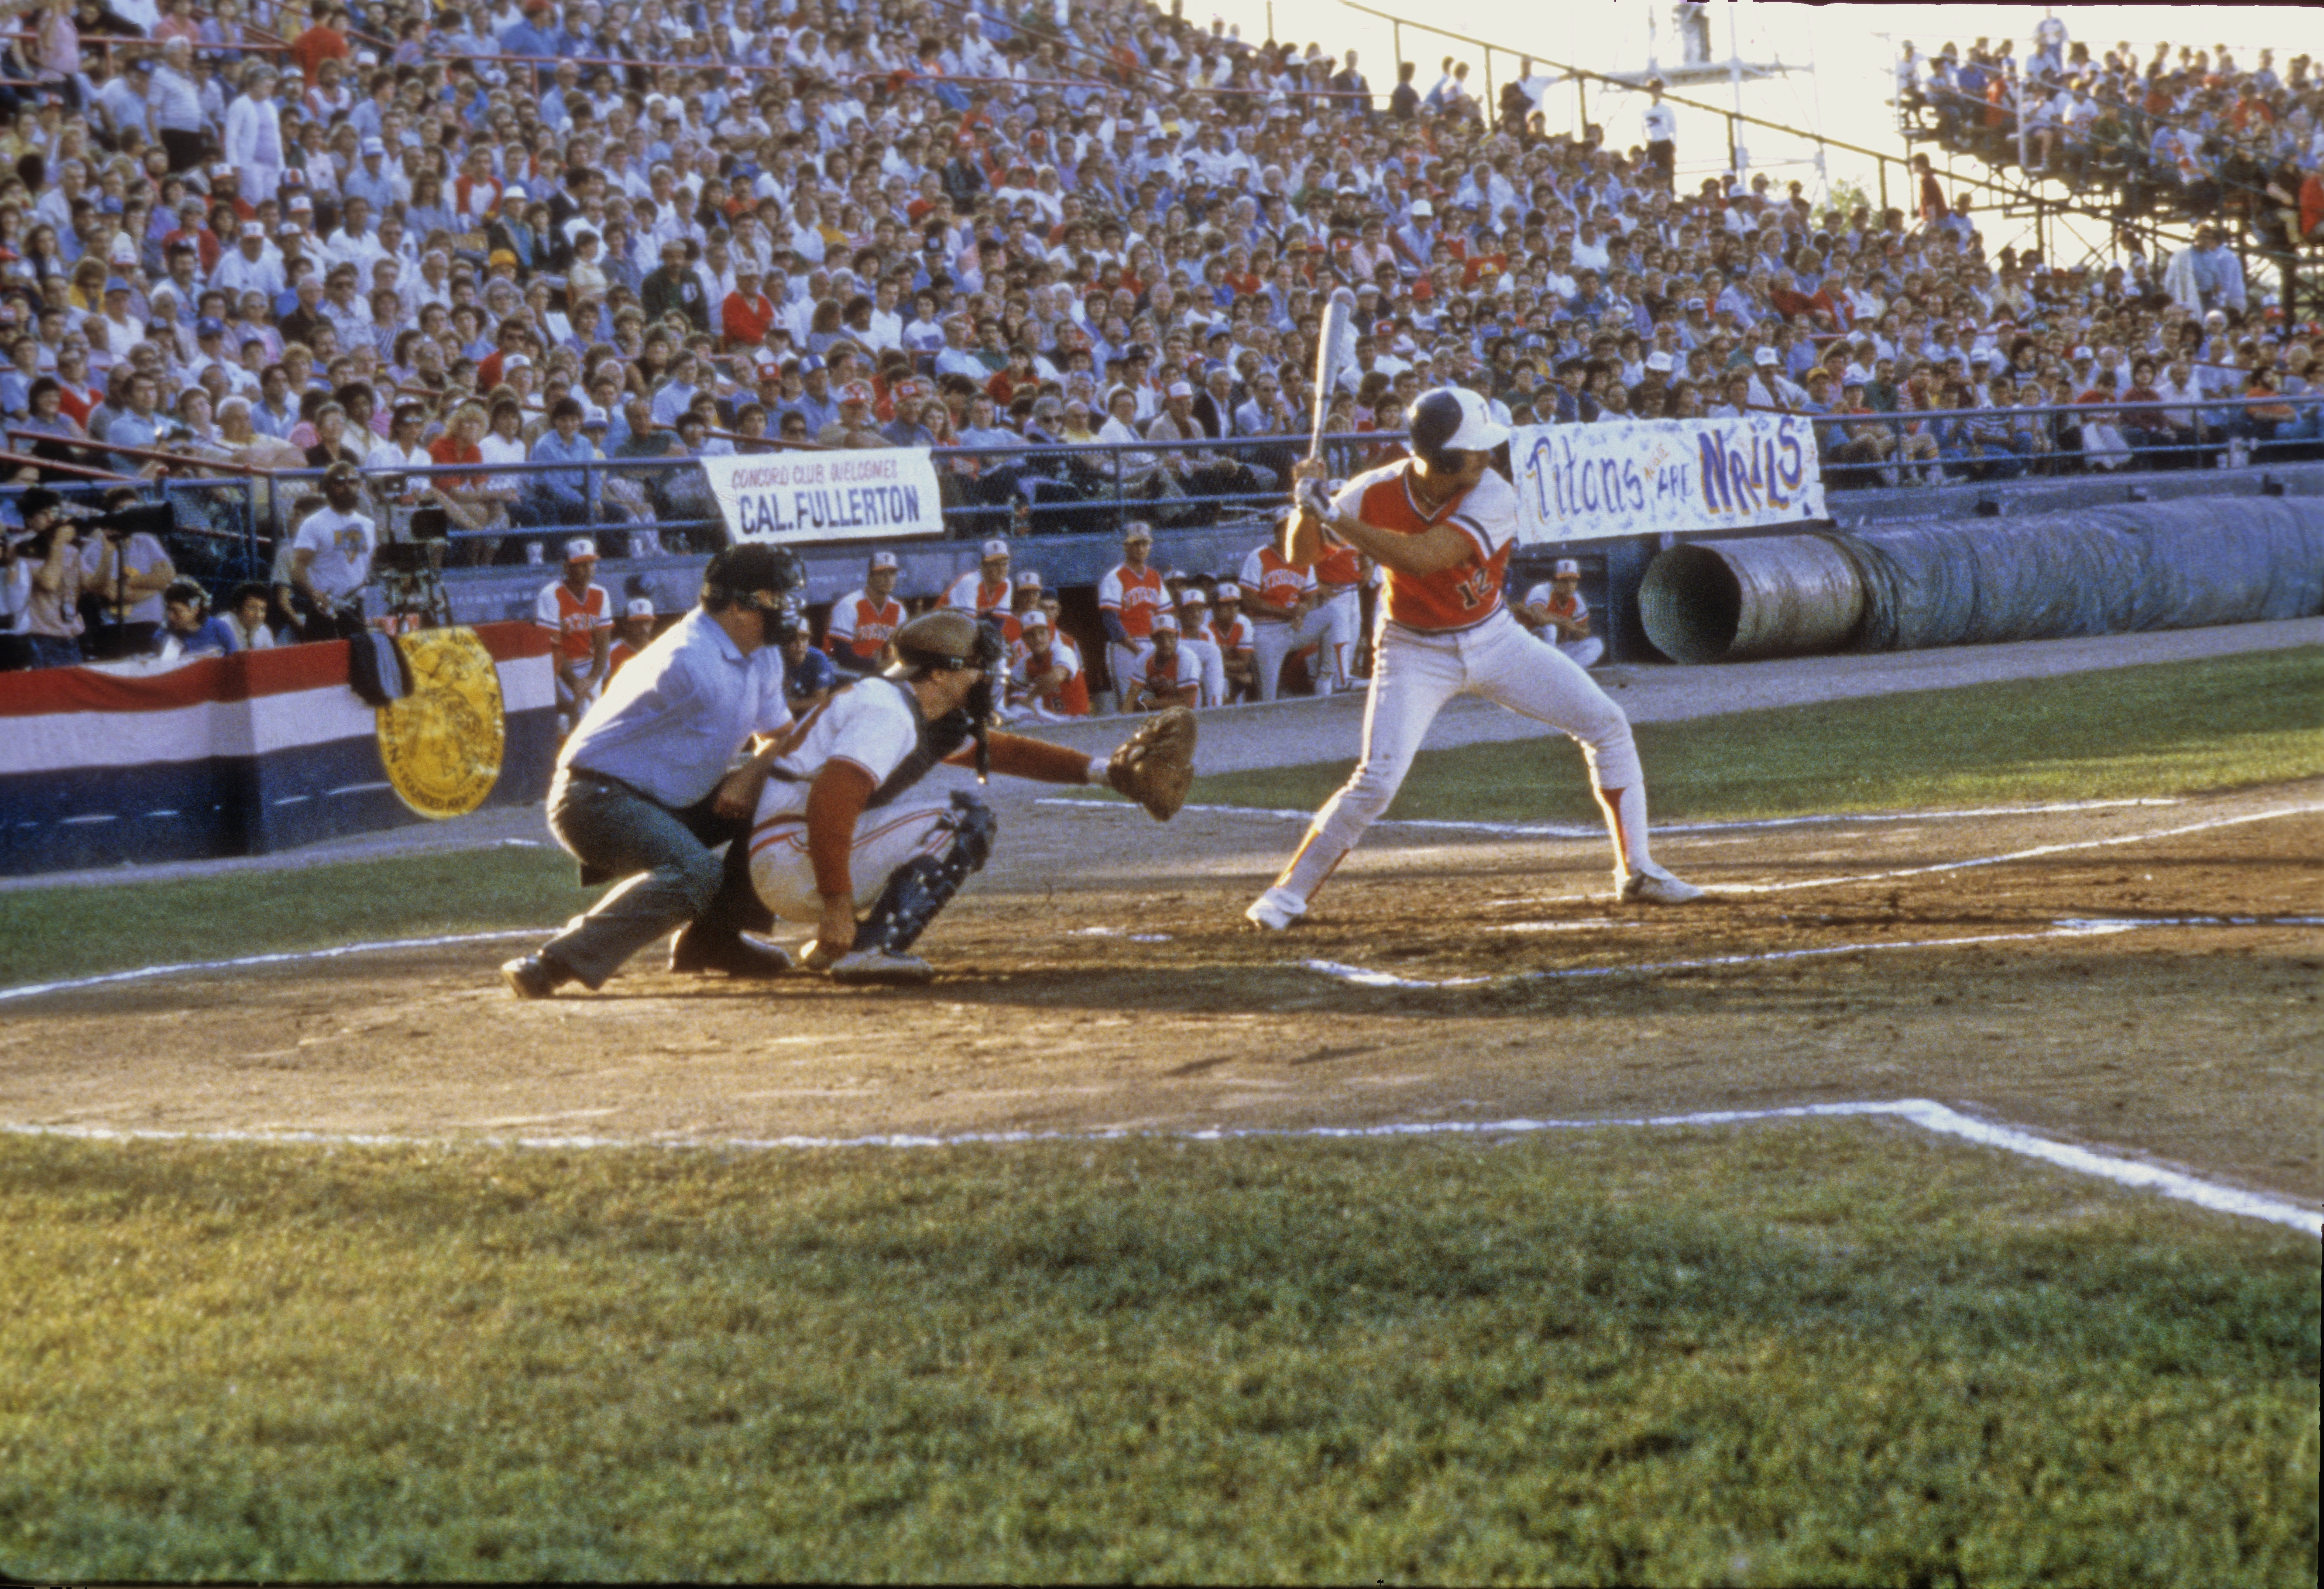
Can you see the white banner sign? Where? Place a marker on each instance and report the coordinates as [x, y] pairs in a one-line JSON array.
[[835, 495], [1641, 476]]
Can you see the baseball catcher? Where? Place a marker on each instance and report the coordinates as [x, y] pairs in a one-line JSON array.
[[841, 844]]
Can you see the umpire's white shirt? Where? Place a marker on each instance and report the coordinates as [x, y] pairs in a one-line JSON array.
[[672, 720]]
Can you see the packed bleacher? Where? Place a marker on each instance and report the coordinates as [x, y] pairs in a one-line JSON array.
[[514, 268]]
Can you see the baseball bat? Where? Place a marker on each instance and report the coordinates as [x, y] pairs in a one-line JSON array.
[[1338, 313], [1334, 337]]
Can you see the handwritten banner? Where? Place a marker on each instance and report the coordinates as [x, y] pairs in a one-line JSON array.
[[1643, 476], [837, 496]]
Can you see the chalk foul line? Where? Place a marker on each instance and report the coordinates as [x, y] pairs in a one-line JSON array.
[[281, 957], [2066, 926], [2035, 853], [1597, 830], [1923, 1112]]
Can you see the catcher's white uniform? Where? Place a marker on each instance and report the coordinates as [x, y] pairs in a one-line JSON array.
[[874, 725]]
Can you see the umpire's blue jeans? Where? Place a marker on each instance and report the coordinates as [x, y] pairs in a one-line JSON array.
[[669, 877]]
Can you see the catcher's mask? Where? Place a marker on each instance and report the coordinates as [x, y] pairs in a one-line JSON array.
[[736, 577], [951, 641]]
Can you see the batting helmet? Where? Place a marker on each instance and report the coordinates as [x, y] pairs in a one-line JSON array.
[[1450, 420]]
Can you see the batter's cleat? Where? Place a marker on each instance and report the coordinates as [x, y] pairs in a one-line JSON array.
[[881, 968], [534, 976], [1657, 888], [1276, 909], [694, 952]]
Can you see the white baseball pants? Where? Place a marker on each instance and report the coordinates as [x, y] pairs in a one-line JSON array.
[[1413, 675], [1271, 640], [1337, 626], [1214, 669], [1585, 653], [784, 876], [1122, 663]]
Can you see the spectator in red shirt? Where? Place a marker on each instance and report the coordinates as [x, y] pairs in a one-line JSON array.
[[748, 312], [321, 42]]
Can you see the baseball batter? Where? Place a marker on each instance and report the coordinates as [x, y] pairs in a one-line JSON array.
[[840, 841], [1443, 523]]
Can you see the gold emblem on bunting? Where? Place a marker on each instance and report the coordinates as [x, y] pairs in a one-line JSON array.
[[442, 744]]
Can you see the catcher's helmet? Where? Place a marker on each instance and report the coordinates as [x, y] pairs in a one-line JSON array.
[[1450, 420], [946, 641]]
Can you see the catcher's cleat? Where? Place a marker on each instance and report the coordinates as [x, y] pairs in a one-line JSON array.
[[696, 952], [1276, 909], [880, 967], [1656, 888], [534, 976]]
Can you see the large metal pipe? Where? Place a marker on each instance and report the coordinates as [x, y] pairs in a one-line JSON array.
[[2097, 571], [1729, 601]]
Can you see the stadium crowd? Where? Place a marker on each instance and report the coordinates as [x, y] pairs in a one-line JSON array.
[[397, 235]]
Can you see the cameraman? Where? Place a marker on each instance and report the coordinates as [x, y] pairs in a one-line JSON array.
[[51, 623], [123, 576], [331, 557]]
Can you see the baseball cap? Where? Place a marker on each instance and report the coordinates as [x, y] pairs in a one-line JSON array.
[[1659, 361], [1028, 580], [1422, 206], [1180, 389], [641, 607], [883, 559], [374, 146], [209, 325], [1565, 569], [1166, 624], [855, 392], [1138, 531], [1035, 619], [1765, 356], [1230, 590], [116, 284], [253, 229], [995, 549], [1192, 596], [580, 549]]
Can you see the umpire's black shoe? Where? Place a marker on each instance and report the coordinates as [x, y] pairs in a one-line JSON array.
[[696, 952], [535, 976]]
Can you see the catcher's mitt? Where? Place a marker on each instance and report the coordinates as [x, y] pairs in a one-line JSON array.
[[1156, 765]]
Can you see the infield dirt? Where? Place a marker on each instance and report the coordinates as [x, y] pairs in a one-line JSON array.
[[1098, 976]]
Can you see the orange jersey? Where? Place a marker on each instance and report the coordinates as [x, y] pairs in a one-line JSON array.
[[576, 620], [858, 627], [1470, 591], [1341, 566], [1272, 584], [622, 652], [971, 594], [1136, 597]]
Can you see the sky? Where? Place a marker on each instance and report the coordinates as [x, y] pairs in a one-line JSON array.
[[1850, 52]]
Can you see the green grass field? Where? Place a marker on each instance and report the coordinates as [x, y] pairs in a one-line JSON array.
[[2166, 729], [1814, 1352]]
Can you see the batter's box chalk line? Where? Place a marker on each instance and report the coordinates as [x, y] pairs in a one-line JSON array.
[[1923, 1112]]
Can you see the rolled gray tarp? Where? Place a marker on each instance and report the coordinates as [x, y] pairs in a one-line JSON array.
[[2111, 570]]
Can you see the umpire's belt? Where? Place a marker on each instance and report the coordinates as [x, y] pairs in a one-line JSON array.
[[583, 775]]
